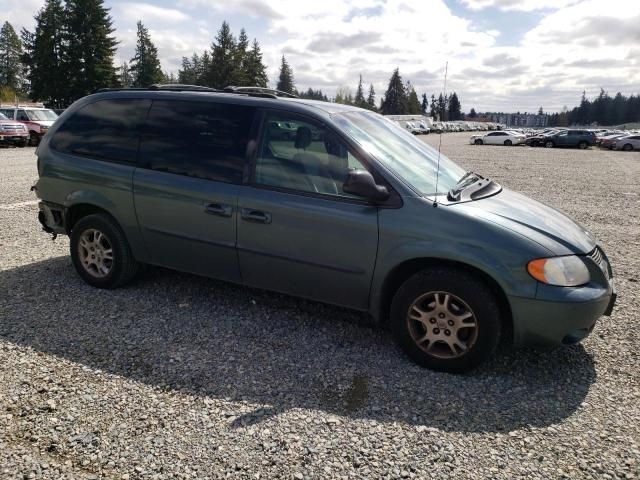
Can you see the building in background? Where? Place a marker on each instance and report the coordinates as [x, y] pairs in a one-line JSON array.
[[529, 120]]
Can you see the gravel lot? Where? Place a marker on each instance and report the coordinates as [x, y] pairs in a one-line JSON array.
[[178, 376]]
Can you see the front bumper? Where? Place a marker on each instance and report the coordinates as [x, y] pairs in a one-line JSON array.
[[565, 321], [9, 137]]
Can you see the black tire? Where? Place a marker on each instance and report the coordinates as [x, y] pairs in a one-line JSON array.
[[627, 147], [23, 143], [478, 141], [473, 292], [549, 144], [123, 266], [582, 145], [34, 139], [508, 143]]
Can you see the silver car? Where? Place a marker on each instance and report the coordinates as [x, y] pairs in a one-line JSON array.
[[628, 143]]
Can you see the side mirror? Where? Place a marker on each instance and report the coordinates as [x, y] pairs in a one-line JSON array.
[[362, 184]]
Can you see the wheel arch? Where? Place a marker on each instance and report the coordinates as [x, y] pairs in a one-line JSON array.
[[403, 271], [81, 210]]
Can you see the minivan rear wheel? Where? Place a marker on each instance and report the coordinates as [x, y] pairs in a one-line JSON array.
[[446, 320], [100, 252]]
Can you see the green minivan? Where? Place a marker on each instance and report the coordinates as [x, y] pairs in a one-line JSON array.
[[346, 208]]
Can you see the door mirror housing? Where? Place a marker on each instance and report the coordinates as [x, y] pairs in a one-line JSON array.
[[362, 184]]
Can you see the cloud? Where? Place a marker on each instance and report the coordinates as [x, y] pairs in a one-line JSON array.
[[252, 8], [149, 13], [335, 43], [520, 5]]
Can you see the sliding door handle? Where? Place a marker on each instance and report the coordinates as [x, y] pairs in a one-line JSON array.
[[218, 209], [251, 215]]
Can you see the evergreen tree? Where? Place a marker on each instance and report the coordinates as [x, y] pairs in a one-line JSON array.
[[241, 59], [455, 110], [359, 100], [433, 108], [413, 104], [90, 48], [285, 80], [395, 98], [540, 111], [44, 56], [222, 70], [145, 65], [371, 99], [442, 108], [472, 113], [255, 71], [125, 76], [425, 104], [11, 68]]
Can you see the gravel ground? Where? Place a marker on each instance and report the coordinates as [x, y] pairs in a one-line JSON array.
[[178, 376]]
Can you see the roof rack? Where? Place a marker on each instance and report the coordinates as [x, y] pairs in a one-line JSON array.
[[260, 91], [179, 87]]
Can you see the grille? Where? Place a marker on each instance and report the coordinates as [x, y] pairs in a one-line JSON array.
[[12, 128], [597, 256]]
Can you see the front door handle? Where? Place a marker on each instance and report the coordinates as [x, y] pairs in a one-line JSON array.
[[218, 209], [252, 215]]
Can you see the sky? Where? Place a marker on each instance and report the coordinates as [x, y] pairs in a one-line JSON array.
[[503, 55]]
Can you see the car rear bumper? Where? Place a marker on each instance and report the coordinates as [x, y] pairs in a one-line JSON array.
[[562, 322]]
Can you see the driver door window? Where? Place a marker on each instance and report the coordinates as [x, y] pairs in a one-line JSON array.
[[22, 116], [296, 154]]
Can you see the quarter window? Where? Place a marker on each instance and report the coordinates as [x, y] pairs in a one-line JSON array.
[[204, 140], [105, 130], [301, 155]]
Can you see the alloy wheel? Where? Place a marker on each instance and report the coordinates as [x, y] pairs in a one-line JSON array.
[[96, 253], [442, 324]]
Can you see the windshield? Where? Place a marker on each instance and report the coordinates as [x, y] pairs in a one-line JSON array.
[[41, 115], [411, 159]]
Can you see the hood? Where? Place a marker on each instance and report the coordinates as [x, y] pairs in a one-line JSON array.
[[43, 123], [534, 220]]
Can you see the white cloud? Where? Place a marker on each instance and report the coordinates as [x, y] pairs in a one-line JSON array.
[[149, 13], [520, 5]]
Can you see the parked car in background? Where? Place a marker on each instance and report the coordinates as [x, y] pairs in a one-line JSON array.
[[423, 127], [503, 137], [413, 128], [539, 139], [607, 142], [37, 119], [12, 132], [628, 143], [571, 138]]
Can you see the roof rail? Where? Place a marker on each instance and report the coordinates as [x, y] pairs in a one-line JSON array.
[[182, 87], [259, 90]]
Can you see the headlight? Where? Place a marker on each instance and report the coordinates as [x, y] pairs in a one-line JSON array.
[[567, 271]]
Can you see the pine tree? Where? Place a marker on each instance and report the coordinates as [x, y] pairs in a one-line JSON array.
[[255, 71], [240, 59], [90, 49], [425, 104], [540, 111], [413, 104], [11, 68], [472, 113], [125, 76], [285, 80], [222, 70], [359, 100], [433, 108], [454, 107], [442, 107], [44, 56], [371, 99], [145, 65], [395, 98]]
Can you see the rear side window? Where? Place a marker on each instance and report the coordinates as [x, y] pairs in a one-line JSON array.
[[203, 140], [105, 130]]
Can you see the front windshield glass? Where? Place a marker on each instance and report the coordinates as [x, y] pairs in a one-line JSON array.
[[401, 152], [41, 115]]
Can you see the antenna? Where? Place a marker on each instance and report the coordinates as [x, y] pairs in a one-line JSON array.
[[435, 196]]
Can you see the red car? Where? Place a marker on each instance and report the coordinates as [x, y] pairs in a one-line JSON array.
[[13, 133], [37, 119]]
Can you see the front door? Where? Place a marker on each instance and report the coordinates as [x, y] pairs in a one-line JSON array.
[[191, 162], [298, 231]]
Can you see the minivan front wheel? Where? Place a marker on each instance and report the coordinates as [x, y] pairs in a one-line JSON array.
[[100, 252], [446, 320]]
